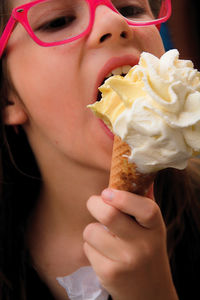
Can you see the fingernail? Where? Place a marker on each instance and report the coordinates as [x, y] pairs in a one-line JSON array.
[[108, 194]]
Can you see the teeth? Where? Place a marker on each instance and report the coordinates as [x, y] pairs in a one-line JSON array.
[[119, 71], [125, 69]]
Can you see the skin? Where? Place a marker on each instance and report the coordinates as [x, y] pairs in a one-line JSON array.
[[73, 152]]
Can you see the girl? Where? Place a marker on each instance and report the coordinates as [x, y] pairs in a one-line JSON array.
[[56, 213]]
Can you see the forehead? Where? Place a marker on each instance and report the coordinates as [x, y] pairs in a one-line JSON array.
[[15, 3]]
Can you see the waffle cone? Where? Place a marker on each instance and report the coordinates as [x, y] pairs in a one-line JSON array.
[[124, 175]]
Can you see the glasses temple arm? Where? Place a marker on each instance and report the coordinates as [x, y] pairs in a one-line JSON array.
[[163, 9], [6, 34]]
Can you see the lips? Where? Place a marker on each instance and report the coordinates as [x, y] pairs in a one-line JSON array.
[[114, 66], [122, 71]]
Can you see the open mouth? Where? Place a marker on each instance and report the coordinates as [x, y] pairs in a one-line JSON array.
[[122, 71]]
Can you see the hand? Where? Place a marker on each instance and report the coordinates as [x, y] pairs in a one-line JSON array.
[[127, 247]]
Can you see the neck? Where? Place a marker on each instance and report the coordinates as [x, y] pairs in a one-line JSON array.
[[60, 218], [61, 206], [64, 196]]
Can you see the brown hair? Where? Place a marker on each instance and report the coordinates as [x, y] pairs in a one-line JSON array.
[[18, 176], [176, 192]]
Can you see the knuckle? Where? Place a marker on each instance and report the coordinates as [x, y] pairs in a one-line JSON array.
[[122, 199], [111, 274], [141, 257], [90, 202], [129, 260], [149, 249], [146, 251], [134, 260], [109, 217], [88, 231], [152, 212]]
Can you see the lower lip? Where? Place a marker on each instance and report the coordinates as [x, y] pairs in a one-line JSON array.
[[106, 129]]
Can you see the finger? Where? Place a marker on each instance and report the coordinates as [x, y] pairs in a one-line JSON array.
[[98, 237], [119, 223], [103, 266], [150, 193], [143, 209]]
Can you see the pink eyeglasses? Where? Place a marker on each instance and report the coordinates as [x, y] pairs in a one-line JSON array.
[[56, 22]]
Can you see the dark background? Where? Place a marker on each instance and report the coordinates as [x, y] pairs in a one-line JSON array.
[[182, 31]]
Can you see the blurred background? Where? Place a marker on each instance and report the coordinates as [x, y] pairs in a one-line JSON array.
[[182, 31]]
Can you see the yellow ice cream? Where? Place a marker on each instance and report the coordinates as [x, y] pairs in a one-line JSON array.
[[111, 105], [155, 108]]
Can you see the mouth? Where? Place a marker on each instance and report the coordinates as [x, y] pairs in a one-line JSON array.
[[122, 71]]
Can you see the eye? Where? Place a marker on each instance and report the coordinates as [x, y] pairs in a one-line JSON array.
[[58, 23], [131, 11]]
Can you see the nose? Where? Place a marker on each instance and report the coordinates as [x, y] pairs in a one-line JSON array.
[[109, 27]]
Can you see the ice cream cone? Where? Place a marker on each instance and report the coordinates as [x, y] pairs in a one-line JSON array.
[[124, 175]]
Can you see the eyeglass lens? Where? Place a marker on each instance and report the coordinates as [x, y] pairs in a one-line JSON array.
[[59, 20]]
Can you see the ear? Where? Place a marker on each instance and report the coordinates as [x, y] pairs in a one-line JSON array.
[[14, 113]]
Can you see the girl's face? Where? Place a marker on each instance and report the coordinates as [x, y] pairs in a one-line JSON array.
[[54, 85]]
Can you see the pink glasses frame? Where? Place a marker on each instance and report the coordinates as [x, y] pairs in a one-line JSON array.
[[19, 14]]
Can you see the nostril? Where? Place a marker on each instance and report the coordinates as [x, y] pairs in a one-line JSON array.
[[123, 34], [105, 37]]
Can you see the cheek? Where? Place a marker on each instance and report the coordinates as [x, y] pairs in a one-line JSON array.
[[44, 82], [150, 40]]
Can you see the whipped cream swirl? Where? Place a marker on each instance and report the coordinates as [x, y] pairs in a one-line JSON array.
[[160, 118]]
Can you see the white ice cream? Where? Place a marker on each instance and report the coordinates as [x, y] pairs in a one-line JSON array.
[[155, 108]]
